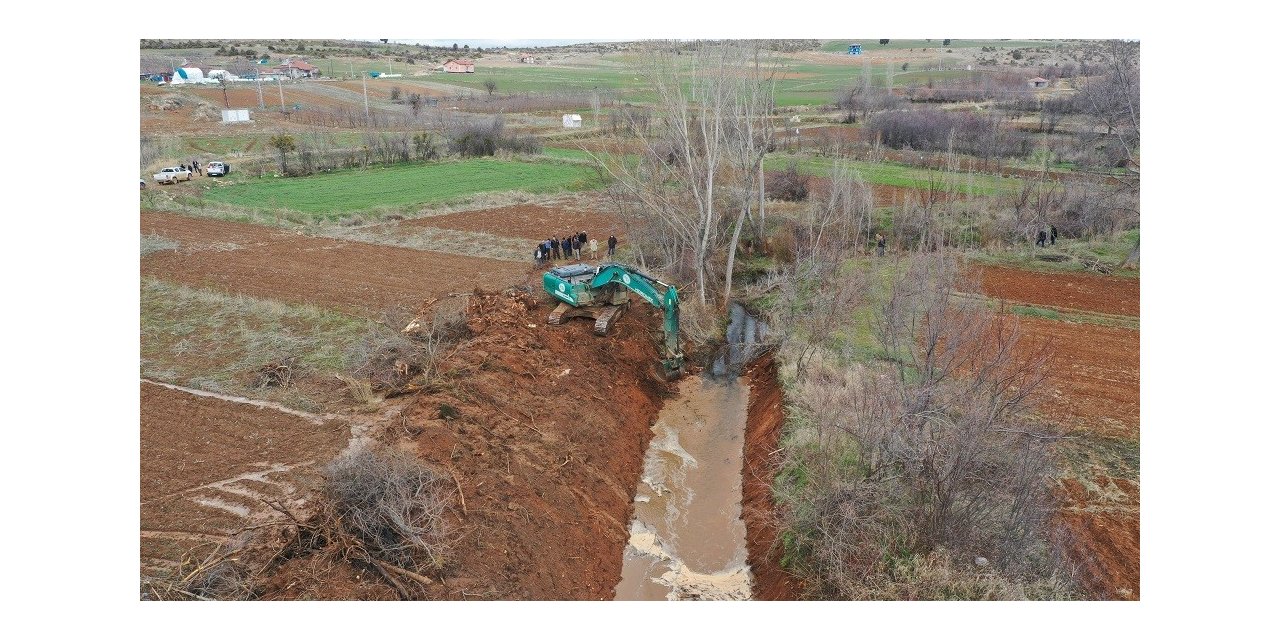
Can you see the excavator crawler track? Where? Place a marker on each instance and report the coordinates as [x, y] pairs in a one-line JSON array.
[[606, 317]]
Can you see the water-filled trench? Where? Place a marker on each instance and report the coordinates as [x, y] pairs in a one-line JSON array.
[[688, 540]]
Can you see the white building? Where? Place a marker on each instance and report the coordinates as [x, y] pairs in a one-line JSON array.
[[187, 75], [572, 121]]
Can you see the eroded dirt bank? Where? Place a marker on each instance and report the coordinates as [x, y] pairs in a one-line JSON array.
[[761, 457], [545, 429]]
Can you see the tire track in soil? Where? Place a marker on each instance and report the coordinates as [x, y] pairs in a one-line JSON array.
[[207, 465]]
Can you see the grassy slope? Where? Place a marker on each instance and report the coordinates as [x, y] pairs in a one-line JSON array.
[[356, 190], [215, 341]]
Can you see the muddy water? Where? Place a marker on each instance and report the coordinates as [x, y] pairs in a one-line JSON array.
[[688, 540]]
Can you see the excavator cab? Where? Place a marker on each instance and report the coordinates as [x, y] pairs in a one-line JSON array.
[[603, 292]]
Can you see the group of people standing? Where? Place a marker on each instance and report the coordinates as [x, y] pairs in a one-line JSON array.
[[1050, 236], [570, 248], [193, 167]]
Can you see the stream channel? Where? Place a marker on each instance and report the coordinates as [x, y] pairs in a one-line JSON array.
[[688, 540]]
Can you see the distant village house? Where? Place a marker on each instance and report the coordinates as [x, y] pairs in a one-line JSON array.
[[1038, 83], [460, 65], [297, 69]]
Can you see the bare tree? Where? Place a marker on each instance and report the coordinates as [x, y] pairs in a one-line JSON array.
[[1113, 100], [682, 156], [750, 134]]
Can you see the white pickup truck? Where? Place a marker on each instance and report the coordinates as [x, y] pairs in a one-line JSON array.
[[170, 175], [216, 168]]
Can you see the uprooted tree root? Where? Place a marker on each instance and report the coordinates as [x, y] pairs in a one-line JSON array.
[[383, 509], [379, 508]]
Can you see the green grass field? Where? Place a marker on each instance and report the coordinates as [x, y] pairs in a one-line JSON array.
[[898, 175], [334, 194]]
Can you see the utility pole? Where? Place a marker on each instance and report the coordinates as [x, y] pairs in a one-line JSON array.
[[365, 84], [258, 81], [280, 85], [351, 69]]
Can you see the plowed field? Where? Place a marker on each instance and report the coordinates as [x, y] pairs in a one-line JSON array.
[[1093, 379], [1100, 529], [247, 97], [529, 221], [1086, 292], [353, 276], [207, 464], [1092, 388]]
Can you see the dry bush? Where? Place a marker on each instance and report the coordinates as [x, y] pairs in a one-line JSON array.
[[384, 505], [789, 184], [930, 451], [217, 575], [278, 373], [389, 360]]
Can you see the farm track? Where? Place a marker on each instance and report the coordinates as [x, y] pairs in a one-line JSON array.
[[358, 277]]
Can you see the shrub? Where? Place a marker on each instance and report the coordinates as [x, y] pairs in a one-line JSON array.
[[923, 458], [388, 505], [788, 184]]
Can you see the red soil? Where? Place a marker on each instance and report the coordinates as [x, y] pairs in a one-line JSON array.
[[381, 89], [528, 221], [1100, 533], [247, 98], [549, 442], [1082, 291], [760, 464], [1093, 385], [189, 442], [1093, 380], [352, 276]]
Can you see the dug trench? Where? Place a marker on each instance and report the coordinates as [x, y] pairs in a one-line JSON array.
[[544, 431]]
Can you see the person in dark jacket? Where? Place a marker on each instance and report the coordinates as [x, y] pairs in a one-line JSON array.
[[566, 246], [1040, 238], [582, 237], [1053, 234], [613, 244], [555, 248], [577, 247], [879, 244]]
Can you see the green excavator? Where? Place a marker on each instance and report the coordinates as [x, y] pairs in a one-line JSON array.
[[602, 293]]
